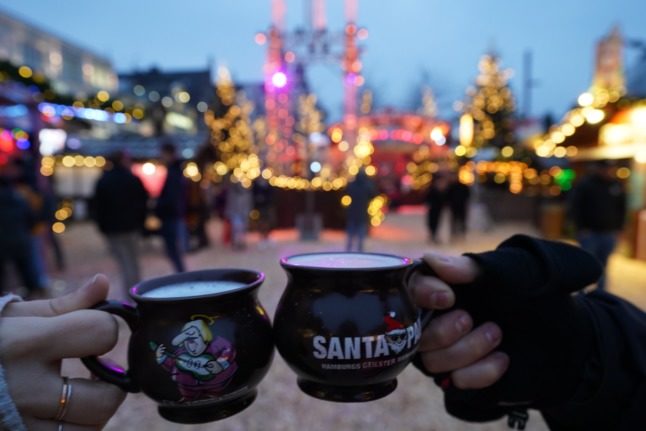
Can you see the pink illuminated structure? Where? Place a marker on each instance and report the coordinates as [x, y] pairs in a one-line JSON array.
[[285, 48]]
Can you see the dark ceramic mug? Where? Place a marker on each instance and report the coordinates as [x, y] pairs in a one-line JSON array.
[[346, 323], [201, 342]]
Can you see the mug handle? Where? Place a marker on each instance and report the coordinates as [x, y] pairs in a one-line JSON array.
[[420, 266], [113, 373]]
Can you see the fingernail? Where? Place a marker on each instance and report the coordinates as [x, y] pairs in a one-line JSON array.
[[493, 334], [462, 324], [502, 358], [440, 299]]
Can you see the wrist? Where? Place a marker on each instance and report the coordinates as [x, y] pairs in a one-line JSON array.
[[9, 416]]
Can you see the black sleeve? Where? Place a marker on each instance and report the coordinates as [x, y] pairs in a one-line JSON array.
[[171, 196], [141, 201], [612, 392], [525, 287], [528, 268]]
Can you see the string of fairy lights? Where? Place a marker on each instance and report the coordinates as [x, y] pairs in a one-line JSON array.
[[242, 150], [590, 110], [68, 106], [242, 155]]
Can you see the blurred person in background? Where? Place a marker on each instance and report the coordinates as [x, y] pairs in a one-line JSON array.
[[458, 198], [37, 189], [22, 172], [17, 219], [361, 191], [50, 206], [436, 199], [171, 207], [119, 207], [220, 209], [263, 202], [239, 203], [598, 209], [197, 216]]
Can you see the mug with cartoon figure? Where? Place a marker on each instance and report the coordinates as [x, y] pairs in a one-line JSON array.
[[201, 342], [346, 324]]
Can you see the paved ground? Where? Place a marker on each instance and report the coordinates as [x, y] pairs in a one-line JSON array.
[[415, 405]]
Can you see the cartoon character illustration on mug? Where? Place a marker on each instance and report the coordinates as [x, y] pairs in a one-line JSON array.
[[200, 343], [201, 365]]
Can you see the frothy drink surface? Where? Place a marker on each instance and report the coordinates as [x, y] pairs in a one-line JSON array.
[[345, 261], [193, 288]]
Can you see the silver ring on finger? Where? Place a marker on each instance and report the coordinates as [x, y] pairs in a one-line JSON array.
[[63, 402]]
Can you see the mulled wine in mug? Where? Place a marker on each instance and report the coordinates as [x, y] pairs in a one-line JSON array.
[[346, 323], [200, 344]]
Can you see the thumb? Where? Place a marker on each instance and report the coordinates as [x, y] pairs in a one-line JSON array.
[[453, 269], [93, 292]]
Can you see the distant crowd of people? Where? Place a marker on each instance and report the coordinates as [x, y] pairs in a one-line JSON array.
[[598, 207], [124, 212], [27, 207], [123, 208], [447, 192]]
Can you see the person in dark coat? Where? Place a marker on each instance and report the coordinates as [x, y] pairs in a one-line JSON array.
[[361, 191], [197, 216], [16, 222], [264, 202], [21, 172], [514, 337], [458, 197], [436, 199], [598, 208], [171, 207], [119, 206]]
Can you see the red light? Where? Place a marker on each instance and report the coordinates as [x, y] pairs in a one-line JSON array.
[[350, 29], [260, 38], [6, 142]]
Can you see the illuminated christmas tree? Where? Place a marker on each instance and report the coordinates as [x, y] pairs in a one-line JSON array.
[[310, 118], [491, 106], [232, 135]]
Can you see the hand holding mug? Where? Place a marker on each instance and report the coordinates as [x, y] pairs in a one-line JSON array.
[[450, 344], [35, 336], [346, 324], [200, 344], [525, 286]]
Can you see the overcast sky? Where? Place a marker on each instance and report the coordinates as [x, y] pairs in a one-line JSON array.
[[410, 41]]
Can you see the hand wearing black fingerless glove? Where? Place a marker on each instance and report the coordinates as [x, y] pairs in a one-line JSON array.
[[526, 288]]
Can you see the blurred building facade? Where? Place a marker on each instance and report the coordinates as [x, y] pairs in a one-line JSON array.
[[175, 102], [71, 68]]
